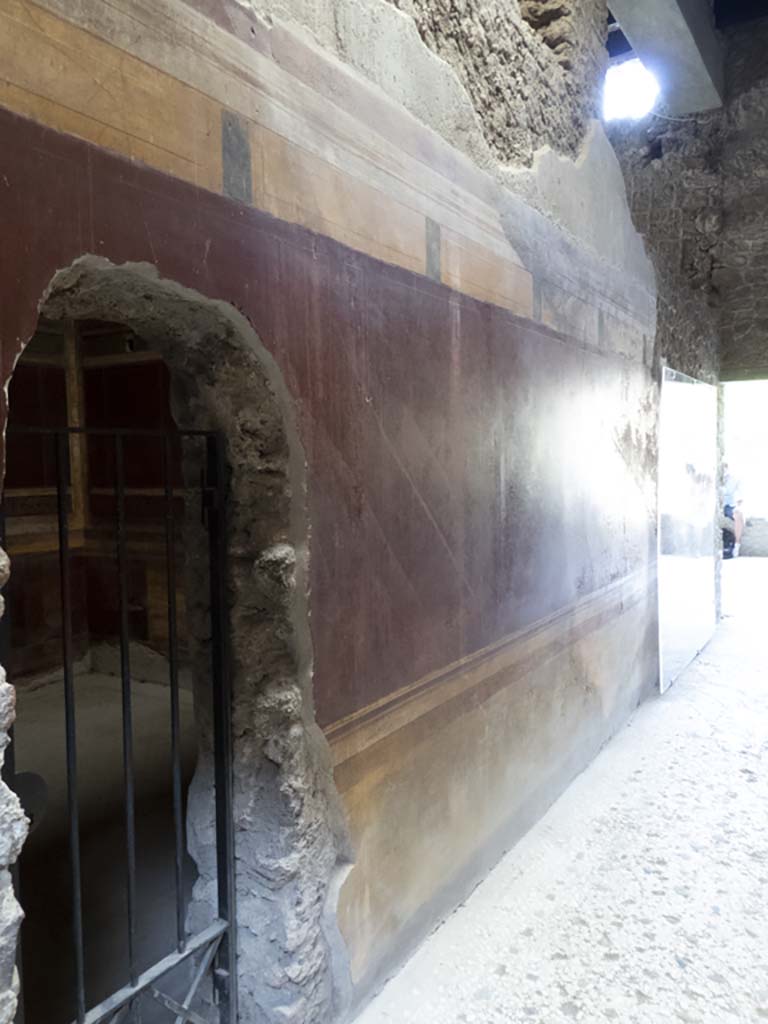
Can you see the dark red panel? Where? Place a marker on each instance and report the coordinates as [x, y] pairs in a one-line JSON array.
[[38, 398], [449, 500]]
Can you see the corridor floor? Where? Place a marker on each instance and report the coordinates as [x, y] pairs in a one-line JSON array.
[[642, 896]]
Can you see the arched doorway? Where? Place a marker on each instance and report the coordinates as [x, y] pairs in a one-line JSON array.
[[289, 844]]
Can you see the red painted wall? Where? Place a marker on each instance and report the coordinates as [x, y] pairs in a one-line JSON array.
[[446, 505]]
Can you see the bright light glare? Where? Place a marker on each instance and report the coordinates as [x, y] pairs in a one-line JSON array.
[[746, 441], [630, 91]]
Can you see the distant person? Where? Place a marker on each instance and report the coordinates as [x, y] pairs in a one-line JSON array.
[[733, 510]]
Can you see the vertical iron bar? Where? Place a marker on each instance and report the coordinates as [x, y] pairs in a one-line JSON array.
[[173, 672], [62, 461], [125, 674], [215, 503]]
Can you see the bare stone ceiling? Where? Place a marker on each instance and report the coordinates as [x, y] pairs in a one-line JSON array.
[[732, 12]]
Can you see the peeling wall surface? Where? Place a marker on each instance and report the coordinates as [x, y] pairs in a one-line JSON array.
[[499, 79], [526, 95], [438, 257]]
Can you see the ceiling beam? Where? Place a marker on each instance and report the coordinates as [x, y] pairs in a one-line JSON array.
[[677, 41]]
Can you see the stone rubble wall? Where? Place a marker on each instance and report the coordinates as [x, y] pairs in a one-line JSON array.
[[698, 191], [741, 276], [533, 71], [674, 191]]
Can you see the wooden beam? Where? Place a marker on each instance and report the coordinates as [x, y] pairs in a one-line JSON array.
[[122, 359], [78, 445]]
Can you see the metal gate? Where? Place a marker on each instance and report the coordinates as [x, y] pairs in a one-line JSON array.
[[210, 953]]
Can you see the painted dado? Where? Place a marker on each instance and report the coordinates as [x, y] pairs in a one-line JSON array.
[[468, 351]]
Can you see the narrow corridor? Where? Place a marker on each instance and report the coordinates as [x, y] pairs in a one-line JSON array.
[[641, 896]]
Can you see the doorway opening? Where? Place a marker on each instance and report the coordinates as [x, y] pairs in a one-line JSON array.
[[744, 496], [687, 499], [291, 850], [100, 488], [745, 468]]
